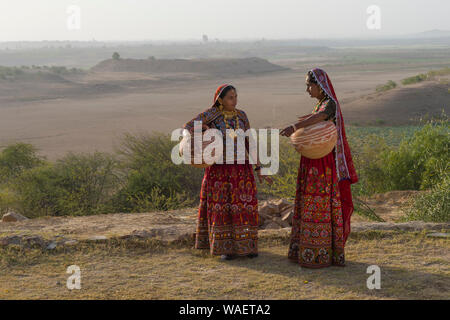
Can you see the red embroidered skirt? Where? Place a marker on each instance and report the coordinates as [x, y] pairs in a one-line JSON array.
[[317, 238], [227, 221]]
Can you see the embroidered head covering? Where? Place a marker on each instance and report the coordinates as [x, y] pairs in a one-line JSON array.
[[344, 163], [213, 112], [219, 91]]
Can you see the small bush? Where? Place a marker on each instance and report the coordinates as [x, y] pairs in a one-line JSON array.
[[75, 185], [152, 177], [413, 163], [87, 182], [37, 192], [440, 72], [417, 162], [10, 72], [415, 79], [385, 87], [16, 158], [433, 206]]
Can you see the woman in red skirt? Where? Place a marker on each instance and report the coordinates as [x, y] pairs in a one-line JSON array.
[[227, 221], [323, 202]]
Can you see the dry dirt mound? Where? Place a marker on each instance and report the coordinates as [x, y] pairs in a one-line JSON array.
[[203, 66], [401, 105], [107, 225]]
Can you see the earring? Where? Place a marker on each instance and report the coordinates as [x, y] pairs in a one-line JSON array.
[[323, 92]]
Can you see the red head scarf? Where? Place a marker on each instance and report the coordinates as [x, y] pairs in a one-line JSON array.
[[219, 91], [344, 164]]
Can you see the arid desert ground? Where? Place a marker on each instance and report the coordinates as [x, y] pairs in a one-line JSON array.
[[90, 110]]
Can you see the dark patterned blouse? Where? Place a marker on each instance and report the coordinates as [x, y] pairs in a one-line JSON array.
[[327, 107], [213, 118]]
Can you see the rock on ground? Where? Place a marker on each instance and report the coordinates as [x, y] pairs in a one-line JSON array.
[[13, 217]]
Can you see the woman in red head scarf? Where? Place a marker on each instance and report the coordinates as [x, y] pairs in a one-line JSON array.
[[227, 221], [323, 202]]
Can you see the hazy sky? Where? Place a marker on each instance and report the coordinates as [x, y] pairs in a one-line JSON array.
[[232, 19]]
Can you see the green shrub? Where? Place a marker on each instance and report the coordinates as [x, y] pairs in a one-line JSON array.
[[10, 72], [415, 79], [440, 72], [37, 192], [87, 182], [385, 87], [151, 176], [416, 163], [433, 206], [386, 163], [16, 158], [74, 185]]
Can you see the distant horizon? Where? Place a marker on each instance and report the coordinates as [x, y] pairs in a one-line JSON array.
[[212, 40]]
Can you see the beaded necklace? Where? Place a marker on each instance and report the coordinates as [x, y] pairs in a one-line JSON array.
[[319, 103]]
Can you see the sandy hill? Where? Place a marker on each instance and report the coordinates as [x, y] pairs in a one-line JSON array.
[[203, 66], [401, 105]]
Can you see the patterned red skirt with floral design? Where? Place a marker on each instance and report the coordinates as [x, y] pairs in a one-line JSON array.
[[317, 238], [227, 221]]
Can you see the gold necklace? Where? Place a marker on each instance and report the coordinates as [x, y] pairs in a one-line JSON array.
[[229, 115]]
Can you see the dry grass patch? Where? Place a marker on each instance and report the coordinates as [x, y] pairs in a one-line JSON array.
[[412, 265]]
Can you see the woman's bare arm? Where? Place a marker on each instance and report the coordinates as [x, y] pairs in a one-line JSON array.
[[313, 119]]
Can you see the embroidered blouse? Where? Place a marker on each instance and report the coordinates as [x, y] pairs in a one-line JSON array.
[[214, 118], [328, 108]]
